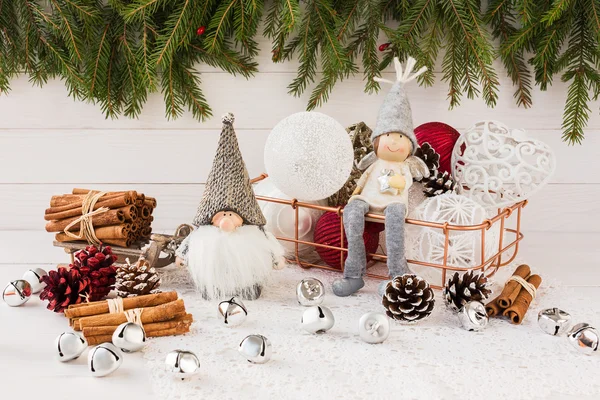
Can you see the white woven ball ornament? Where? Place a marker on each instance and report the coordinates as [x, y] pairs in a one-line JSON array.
[[499, 166], [464, 248], [309, 156], [281, 219]]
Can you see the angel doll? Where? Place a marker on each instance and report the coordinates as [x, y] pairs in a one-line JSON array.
[[383, 186]]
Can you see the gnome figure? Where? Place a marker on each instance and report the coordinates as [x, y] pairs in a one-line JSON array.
[[383, 187], [230, 253]]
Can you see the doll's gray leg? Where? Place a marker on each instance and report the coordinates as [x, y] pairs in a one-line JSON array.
[[394, 239], [356, 263]]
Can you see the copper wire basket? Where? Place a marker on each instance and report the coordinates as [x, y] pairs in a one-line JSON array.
[[508, 243]]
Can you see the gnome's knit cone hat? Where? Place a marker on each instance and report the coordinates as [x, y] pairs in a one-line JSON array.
[[228, 187], [395, 114]]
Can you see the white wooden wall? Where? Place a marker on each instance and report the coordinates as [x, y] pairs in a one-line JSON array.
[[50, 143]]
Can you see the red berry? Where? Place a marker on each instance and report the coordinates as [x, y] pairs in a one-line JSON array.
[[384, 46], [201, 30]]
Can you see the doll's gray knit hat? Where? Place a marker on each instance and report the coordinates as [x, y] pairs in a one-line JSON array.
[[395, 114], [228, 186]]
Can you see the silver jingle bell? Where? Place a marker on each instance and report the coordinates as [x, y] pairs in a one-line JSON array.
[[554, 321], [69, 346], [232, 312], [374, 327], [473, 316], [17, 293], [310, 292], [584, 338], [317, 319], [33, 277], [104, 359], [129, 337], [182, 364], [256, 349]]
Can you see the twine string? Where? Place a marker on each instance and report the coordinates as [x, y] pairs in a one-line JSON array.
[[86, 228], [115, 306], [134, 315], [531, 289]]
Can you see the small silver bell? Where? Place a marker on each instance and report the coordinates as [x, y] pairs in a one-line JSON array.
[[554, 321], [104, 359], [256, 349], [69, 346], [473, 316], [129, 337], [584, 338], [374, 327], [317, 319], [182, 364], [33, 277], [17, 293], [232, 312], [310, 292]]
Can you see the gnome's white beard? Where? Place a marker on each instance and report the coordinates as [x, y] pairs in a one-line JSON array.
[[231, 263]]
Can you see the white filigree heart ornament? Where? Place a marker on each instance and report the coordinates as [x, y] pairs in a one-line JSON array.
[[498, 167]]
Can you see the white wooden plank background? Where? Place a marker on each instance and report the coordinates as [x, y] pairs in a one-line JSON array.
[[50, 143]]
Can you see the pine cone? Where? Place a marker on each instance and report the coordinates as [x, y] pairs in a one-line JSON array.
[[408, 298], [64, 287], [439, 183], [431, 158], [97, 264], [468, 287], [137, 279]]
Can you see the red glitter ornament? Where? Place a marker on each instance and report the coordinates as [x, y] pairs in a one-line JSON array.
[[327, 232], [201, 30], [384, 47], [442, 138]]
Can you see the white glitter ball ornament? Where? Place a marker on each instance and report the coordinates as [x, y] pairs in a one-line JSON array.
[[309, 156], [499, 167], [464, 247]]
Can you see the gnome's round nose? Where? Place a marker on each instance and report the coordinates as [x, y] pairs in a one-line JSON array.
[[227, 221]]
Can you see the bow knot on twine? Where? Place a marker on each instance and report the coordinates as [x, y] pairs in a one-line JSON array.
[[86, 228], [115, 306]]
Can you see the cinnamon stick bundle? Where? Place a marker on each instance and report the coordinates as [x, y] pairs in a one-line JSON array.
[[163, 312], [95, 340], [149, 328], [111, 217], [516, 312], [101, 307]]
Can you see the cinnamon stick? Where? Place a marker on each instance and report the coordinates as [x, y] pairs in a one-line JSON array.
[[149, 328], [493, 308], [101, 307], [111, 217], [80, 191], [516, 312], [151, 201], [512, 288], [163, 312], [95, 340], [67, 201], [121, 231]]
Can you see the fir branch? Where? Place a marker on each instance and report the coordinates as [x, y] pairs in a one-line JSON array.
[[140, 8], [177, 28], [501, 17]]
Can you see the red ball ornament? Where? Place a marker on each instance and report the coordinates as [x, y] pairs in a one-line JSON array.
[[201, 30], [442, 137], [383, 47], [327, 231]]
